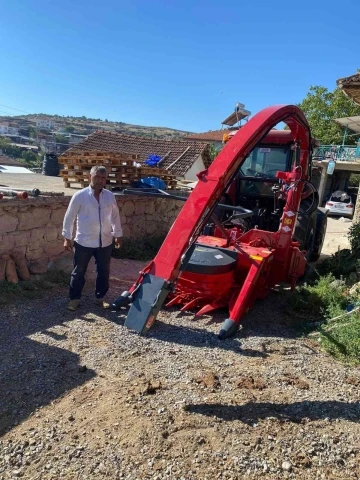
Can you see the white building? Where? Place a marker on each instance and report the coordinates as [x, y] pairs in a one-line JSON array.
[[9, 129], [45, 123]]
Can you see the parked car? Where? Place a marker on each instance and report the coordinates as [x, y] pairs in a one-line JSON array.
[[340, 203]]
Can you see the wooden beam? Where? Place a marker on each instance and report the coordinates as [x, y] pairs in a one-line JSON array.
[[173, 163], [164, 157]]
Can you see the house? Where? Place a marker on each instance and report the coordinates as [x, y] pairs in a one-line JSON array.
[[45, 123], [351, 86], [9, 128], [215, 137], [184, 159], [9, 165]]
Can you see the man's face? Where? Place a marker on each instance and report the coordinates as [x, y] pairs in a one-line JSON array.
[[98, 181]]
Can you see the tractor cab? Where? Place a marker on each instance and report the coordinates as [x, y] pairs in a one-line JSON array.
[[256, 186]]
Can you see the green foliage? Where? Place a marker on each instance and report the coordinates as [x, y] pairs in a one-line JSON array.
[[343, 262], [323, 305], [70, 128], [354, 239], [29, 157], [321, 106], [139, 249], [4, 143], [36, 287], [354, 180], [61, 139], [321, 300], [321, 309], [8, 149], [342, 339], [214, 151], [33, 132]]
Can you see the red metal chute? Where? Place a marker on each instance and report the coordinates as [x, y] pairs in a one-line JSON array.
[[263, 258]]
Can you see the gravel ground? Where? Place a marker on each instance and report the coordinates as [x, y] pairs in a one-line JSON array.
[[84, 398]]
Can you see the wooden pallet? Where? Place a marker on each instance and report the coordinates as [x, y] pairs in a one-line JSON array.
[[152, 171], [123, 169], [87, 154], [76, 184]]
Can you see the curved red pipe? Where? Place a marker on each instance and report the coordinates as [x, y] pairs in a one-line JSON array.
[[213, 181]]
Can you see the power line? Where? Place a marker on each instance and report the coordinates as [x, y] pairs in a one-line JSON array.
[[8, 114], [12, 108]]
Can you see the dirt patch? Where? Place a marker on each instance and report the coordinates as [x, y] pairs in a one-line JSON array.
[[251, 383], [82, 397]]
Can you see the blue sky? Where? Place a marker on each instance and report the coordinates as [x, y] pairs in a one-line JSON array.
[[182, 65]]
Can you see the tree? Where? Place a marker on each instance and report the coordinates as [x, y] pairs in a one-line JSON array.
[[4, 143], [29, 156], [61, 139], [321, 106], [70, 128], [32, 132]]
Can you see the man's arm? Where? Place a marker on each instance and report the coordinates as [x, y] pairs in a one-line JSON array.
[[68, 224], [116, 224]]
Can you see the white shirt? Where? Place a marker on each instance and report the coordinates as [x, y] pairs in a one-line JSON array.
[[97, 222]]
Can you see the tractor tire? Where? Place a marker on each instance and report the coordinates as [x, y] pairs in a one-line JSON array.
[[305, 224], [321, 224]]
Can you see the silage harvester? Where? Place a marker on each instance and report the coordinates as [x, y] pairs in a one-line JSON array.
[[251, 222]]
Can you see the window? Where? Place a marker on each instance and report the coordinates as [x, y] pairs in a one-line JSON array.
[[265, 162]]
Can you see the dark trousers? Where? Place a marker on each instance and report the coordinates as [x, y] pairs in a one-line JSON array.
[[82, 258]]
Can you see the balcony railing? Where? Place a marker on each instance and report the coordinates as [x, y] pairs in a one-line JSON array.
[[344, 153]]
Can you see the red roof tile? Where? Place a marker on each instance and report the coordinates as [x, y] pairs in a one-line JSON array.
[[189, 151], [211, 136], [5, 160]]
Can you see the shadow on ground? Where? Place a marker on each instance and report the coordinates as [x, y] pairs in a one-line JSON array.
[[34, 374], [296, 412], [197, 337]]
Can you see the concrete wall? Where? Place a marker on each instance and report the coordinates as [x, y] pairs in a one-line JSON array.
[[33, 226], [197, 167]]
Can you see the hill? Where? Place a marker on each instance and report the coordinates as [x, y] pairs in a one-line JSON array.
[[85, 126]]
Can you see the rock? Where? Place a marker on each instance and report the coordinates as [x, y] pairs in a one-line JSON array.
[[355, 289], [10, 272], [353, 277], [208, 380], [38, 267], [286, 466], [21, 266], [337, 283], [2, 268]]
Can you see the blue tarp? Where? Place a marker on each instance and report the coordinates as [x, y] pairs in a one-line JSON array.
[[149, 182], [152, 160]]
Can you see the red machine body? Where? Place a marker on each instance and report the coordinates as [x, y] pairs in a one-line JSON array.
[[256, 259]]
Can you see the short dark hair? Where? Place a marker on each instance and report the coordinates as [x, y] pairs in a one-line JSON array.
[[98, 169]]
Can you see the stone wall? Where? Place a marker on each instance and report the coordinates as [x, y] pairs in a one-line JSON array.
[[33, 226]]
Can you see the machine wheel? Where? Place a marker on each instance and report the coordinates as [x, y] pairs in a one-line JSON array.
[[305, 221], [321, 224]]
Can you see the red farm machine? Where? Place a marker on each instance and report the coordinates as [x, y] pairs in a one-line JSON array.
[[252, 222]]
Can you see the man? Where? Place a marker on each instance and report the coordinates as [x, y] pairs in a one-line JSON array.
[[98, 223]]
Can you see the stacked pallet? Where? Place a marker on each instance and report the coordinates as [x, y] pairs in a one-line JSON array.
[[122, 169]]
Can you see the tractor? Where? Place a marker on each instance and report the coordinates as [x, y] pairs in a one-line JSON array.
[[252, 221]]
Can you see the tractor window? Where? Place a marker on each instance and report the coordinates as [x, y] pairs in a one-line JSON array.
[[265, 162]]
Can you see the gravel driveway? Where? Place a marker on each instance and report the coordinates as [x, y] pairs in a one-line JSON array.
[[84, 398]]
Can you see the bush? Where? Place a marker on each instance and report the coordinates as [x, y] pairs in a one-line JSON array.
[[320, 301], [354, 238], [342, 339], [345, 261]]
